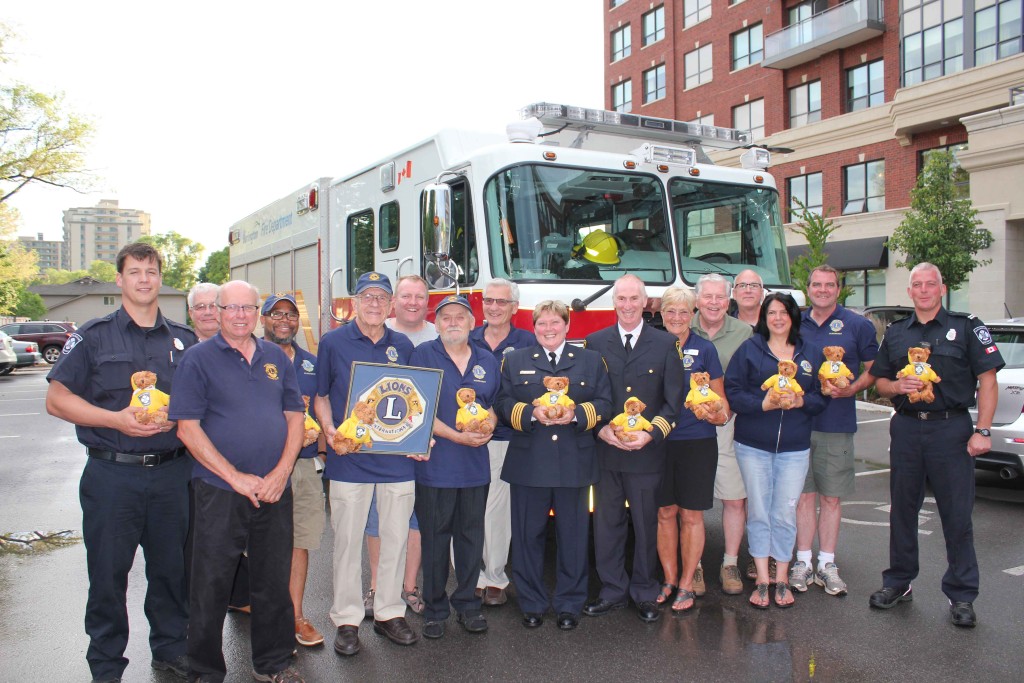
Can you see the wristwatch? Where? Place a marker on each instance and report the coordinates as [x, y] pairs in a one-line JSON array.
[[984, 432]]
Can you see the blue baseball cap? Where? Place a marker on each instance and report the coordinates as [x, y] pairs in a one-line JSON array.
[[274, 298], [373, 279], [452, 299]]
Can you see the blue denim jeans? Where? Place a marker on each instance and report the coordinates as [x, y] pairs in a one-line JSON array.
[[774, 482]]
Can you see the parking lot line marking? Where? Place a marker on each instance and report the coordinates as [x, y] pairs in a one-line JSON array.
[[15, 436], [16, 414], [867, 472], [864, 422], [1015, 571]]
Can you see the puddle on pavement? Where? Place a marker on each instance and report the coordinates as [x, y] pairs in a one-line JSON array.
[[36, 542]]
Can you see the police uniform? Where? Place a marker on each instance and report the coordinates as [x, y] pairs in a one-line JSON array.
[[551, 467], [451, 487], [133, 490], [651, 372], [929, 441], [497, 520]]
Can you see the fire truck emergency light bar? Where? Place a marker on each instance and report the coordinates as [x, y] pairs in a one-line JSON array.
[[618, 123]]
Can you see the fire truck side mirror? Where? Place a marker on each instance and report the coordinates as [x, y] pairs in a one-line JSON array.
[[437, 221]]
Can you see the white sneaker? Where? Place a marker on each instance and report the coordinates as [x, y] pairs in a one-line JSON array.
[[799, 575], [828, 578]]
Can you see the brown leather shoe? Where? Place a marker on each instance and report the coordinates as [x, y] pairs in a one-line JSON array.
[[397, 631], [494, 596], [479, 592]]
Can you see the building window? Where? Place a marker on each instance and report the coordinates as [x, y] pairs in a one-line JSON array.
[[622, 45], [750, 117], [868, 287], [805, 104], [654, 84], [622, 96], [747, 47], [695, 11], [654, 25], [865, 86], [997, 30], [109, 301], [961, 178], [933, 39], [800, 15], [864, 187], [615, 3], [698, 66], [706, 120], [807, 189]]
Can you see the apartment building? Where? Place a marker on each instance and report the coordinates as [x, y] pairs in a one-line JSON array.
[[97, 233], [49, 253], [855, 95]]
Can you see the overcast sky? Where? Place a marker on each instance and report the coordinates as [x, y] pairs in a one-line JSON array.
[[206, 111]]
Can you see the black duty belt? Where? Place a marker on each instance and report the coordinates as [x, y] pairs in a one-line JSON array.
[[930, 415], [144, 459]]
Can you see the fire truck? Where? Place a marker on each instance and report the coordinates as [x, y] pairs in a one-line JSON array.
[[566, 202]]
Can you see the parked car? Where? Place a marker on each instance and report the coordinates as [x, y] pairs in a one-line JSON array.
[[50, 335], [8, 359], [1007, 454], [881, 316], [27, 353]]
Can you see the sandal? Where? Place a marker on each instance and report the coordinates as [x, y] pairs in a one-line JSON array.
[[781, 591], [682, 596], [759, 598], [667, 589], [413, 600]]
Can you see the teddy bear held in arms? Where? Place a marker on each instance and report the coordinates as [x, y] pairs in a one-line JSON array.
[[145, 395], [312, 432], [701, 400], [354, 433], [472, 417], [555, 401], [631, 420], [919, 368], [833, 373], [782, 388]]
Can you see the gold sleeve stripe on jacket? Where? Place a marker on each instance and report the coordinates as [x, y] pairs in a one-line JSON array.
[[662, 424], [517, 416], [591, 413]]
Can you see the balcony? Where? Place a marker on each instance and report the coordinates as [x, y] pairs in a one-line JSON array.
[[842, 26]]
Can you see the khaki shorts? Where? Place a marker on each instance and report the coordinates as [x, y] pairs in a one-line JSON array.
[[308, 505], [728, 480], [831, 472]]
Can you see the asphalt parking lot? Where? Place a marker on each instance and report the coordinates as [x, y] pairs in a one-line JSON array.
[[823, 638]]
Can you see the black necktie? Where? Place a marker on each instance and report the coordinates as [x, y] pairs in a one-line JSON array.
[[629, 343], [554, 361]]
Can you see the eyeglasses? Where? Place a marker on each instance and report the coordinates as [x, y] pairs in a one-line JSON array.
[[247, 309], [753, 286], [374, 298], [490, 301], [202, 308], [281, 315]]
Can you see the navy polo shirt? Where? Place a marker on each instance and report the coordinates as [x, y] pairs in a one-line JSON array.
[[305, 372], [97, 364], [697, 355], [517, 339], [240, 405], [856, 334], [453, 465], [338, 349]]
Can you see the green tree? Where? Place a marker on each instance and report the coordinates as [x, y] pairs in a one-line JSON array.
[[39, 141], [817, 230], [216, 269], [59, 277], [17, 264], [180, 256], [104, 271], [941, 226], [30, 305]]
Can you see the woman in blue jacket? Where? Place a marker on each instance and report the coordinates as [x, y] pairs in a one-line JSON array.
[[773, 442]]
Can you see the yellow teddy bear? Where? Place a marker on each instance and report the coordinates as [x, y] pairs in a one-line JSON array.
[[833, 373], [782, 388], [354, 433], [919, 368], [702, 399], [631, 420], [472, 417], [145, 395], [312, 429], [555, 401]]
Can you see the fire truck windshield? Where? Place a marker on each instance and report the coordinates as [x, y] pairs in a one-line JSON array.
[[557, 223]]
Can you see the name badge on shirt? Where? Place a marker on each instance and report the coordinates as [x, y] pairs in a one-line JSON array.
[[527, 372]]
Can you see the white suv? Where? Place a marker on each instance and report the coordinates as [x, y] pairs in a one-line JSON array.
[[1007, 454], [7, 356]]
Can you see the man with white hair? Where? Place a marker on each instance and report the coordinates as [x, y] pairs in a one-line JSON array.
[[202, 309]]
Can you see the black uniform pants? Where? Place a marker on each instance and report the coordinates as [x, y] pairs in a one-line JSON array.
[[611, 530], [451, 518], [530, 508], [123, 507], [936, 451], [226, 524]]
